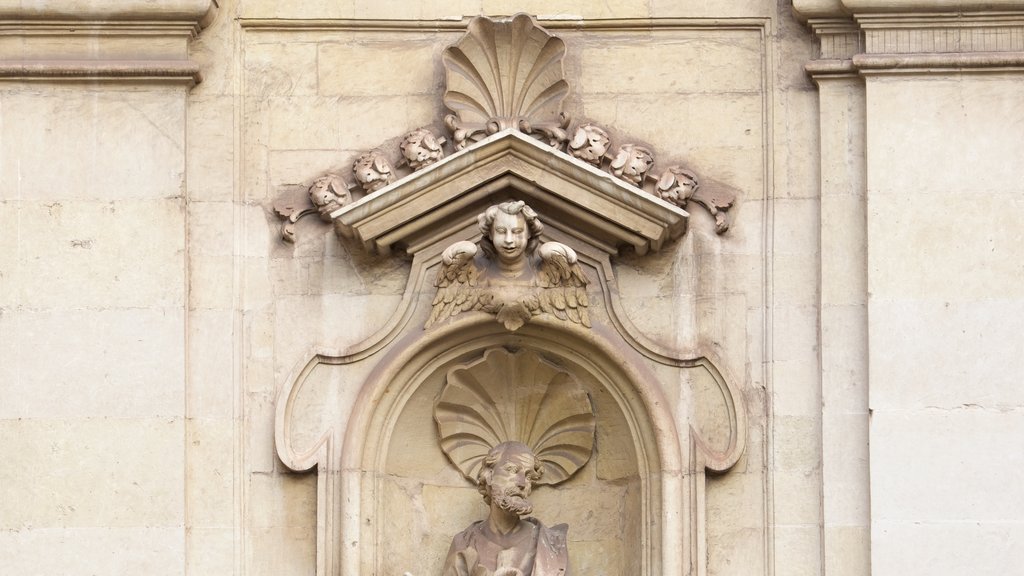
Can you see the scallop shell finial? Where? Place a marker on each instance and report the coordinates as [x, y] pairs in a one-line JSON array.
[[515, 396], [505, 74]]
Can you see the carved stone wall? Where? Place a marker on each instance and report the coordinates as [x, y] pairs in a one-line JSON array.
[[151, 315]]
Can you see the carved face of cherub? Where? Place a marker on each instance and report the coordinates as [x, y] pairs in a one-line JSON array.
[[329, 189], [373, 171], [677, 185], [509, 481], [421, 148], [509, 236], [632, 163], [590, 144]]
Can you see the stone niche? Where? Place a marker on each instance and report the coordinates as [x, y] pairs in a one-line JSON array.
[[389, 496]]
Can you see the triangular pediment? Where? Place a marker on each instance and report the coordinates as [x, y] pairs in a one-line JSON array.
[[429, 206]]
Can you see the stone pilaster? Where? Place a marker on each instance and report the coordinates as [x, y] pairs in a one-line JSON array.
[[94, 284], [920, 129]]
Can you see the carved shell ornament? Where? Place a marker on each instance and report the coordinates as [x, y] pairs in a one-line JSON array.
[[507, 74], [515, 397]]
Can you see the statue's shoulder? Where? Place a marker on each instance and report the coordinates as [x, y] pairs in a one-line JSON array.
[[552, 552], [464, 539]]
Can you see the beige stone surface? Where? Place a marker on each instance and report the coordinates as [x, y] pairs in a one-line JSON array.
[[130, 366], [59, 144], [81, 455], [150, 314], [81, 551]]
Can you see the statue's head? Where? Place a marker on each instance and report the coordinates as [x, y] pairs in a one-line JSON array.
[[507, 476], [510, 230]]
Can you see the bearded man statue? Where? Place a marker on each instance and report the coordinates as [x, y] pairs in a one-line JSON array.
[[507, 543]]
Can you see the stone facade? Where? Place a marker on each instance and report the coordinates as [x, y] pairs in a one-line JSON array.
[[822, 388]]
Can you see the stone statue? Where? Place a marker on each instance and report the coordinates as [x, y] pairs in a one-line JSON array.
[[509, 421], [511, 273], [506, 544]]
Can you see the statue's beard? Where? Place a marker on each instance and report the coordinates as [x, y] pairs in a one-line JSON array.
[[513, 502]]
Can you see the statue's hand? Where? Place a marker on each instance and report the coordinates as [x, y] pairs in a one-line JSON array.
[[557, 250], [461, 251]]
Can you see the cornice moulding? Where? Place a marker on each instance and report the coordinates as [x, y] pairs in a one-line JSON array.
[[875, 64], [925, 6], [173, 72], [811, 9], [199, 12], [75, 40]]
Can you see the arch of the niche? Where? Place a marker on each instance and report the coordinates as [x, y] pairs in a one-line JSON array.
[[616, 367]]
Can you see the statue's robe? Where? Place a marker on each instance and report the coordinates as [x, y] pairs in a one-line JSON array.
[[540, 551]]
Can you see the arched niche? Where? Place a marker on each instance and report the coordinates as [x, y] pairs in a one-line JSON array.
[[412, 500]]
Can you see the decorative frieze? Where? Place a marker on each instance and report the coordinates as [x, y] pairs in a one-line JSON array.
[[506, 76]]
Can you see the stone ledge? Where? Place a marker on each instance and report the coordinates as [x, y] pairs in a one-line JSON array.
[[75, 40], [173, 71], [201, 12], [939, 62]]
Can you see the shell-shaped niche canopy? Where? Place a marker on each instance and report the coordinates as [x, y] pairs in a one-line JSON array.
[[504, 74], [515, 396]]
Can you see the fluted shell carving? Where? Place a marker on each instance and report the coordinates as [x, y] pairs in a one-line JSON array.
[[505, 74], [515, 396]]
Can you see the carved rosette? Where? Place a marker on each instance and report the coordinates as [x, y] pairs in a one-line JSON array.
[[519, 397]]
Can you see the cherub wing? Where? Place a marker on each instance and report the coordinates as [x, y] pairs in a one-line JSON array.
[[457, 283], [563, 285]]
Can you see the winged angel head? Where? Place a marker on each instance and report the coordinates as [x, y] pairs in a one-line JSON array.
[[510, 273]]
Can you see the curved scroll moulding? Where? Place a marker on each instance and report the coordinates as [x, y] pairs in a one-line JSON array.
[[504, 75], [506, 396]]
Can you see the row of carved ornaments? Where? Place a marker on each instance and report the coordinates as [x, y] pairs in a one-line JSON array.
[[482, 106]]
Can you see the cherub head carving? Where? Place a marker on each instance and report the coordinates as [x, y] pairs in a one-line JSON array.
[[510, 231], [677, 185], [373, 171], [590, 144], [328, 193], [632, 163], [421, 148]]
